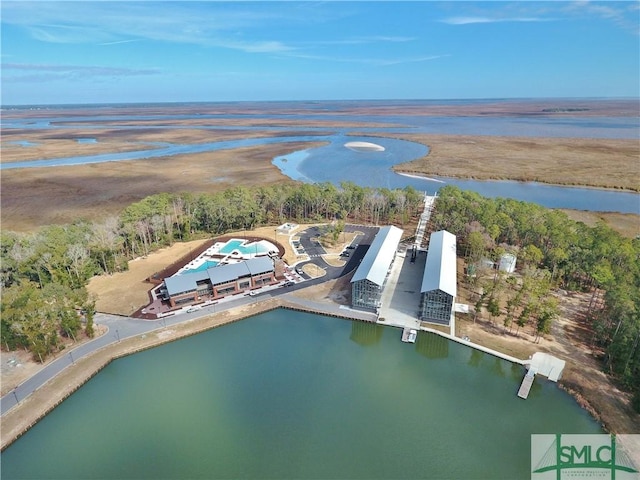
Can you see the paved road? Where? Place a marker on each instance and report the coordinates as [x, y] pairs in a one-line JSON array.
[[125, 327]]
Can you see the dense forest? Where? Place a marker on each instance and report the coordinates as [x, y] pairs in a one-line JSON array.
[[43, 275], [555, 252]]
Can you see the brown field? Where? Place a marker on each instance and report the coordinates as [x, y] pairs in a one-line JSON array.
[[124, 292], [51, 144], [33, 197], [537, 107], [627, 224], [601, 163]]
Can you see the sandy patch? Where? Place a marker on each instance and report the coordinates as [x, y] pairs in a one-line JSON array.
[[364, 147]]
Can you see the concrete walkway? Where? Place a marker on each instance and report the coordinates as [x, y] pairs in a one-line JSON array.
[[401, 295]]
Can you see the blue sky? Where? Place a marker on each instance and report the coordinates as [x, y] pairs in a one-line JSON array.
[[161, 51]]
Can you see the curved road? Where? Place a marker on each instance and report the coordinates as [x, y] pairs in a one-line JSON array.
[[120, 328]]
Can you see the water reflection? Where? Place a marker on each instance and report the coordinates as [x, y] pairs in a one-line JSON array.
[[475, 357], [498, 367], [365, 333], [432, 346]]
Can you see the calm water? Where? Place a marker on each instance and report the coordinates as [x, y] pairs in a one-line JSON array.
[[334, 163], [291, 395]]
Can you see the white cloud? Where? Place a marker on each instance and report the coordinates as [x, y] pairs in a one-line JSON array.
[[472, 20], [624, 15], [30, 72], [368, 61], [118, 42], [202, 23]]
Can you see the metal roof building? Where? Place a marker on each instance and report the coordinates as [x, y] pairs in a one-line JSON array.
[[369, 279], [439, 282]]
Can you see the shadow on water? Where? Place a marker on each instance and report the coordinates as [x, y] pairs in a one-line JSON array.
[[366, 334], [432, 346]]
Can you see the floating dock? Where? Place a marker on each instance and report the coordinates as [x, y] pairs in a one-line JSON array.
[[527, 382], [409, 335]]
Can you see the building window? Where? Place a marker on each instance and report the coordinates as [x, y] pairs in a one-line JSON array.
[[436, 305]]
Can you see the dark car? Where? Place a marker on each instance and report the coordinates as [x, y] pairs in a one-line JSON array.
[[350, 247], [289, 284]]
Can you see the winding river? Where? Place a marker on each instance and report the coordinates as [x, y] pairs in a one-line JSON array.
[[334, 163]]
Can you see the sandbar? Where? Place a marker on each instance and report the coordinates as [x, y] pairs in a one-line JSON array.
[[364, 147]]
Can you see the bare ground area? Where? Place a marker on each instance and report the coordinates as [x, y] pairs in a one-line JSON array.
[[19, 365], [605, 163], [124, 292]]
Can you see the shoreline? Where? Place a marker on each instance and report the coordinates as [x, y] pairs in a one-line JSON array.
[[29, 411], [423, 176]]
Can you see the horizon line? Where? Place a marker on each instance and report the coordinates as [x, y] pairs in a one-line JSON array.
[[443, 99]]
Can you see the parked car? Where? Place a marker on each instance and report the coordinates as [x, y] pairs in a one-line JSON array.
[[289, 283]]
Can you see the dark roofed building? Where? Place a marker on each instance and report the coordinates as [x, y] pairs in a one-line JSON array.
[[220, 281]]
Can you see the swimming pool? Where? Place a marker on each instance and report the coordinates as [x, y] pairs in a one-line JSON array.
[[203, 266], [245, 249]]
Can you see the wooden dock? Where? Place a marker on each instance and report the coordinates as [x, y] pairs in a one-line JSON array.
[[527, 382]]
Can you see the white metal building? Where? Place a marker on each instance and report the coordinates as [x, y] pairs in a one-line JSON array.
[[439, 283], [368, 282], [507, 263]]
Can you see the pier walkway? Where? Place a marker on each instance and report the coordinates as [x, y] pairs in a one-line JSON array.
[[527, 382], [423, 222]]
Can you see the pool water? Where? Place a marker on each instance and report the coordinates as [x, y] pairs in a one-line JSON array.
[[206, 265], [244, 249]]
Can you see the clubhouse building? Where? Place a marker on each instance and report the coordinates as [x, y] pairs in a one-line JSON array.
[[219, 281]]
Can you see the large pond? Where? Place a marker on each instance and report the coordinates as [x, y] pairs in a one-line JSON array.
[[292, 395]]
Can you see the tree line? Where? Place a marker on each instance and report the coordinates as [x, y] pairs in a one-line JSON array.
[[43, 275], [554, 252]]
